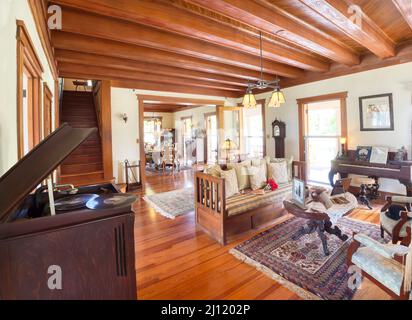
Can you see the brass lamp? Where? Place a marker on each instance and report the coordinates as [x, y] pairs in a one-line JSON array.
[[342, 143], [228, 145]]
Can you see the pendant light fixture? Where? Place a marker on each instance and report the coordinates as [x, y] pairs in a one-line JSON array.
[[277, 97]]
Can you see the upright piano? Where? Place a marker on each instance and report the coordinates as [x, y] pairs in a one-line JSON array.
[[393, 169], [82, 253]]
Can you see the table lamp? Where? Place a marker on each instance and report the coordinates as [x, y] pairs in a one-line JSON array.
[[227, 146]]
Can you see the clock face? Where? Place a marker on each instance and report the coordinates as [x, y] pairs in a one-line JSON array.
[[276, 131]]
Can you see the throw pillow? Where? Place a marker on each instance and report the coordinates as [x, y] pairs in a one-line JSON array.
[[289, 162], [214, 170], [257, 176], [242, 174], [231, 185], [278, 171]]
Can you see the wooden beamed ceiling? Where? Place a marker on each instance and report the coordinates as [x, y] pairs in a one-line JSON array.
[[211, 47]]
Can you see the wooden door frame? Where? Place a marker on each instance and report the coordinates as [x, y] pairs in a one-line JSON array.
[[47, 97], [206, 115], [220, 128], [28, 61], [342, 96]]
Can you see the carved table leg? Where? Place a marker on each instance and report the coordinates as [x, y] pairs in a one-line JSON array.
[[330, 176], [363, 199], [322, 236], [309, 228], [335, 231]]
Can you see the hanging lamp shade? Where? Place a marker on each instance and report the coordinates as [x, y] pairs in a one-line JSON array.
[[249, 100], [276, 99]]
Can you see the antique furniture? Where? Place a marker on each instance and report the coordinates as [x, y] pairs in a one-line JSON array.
[[368, 190], [396, 228], [221, 217], [91, 250], [399, 170], [383, 264], [279, 134], [129, 170], [170, 158], [317, 222]]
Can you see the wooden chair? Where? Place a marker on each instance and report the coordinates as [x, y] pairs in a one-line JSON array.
[[397, 229], [383, 264], [169, 158]]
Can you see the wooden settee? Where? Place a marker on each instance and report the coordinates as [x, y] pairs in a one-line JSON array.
[[220, 217]]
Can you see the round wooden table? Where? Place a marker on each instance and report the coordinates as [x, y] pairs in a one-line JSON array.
[[317, 222]]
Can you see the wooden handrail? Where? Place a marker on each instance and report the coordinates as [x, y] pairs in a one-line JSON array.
[[96, 91], [210, 193]]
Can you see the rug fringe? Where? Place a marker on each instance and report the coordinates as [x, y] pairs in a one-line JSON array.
[[158, 209], [304, 294]]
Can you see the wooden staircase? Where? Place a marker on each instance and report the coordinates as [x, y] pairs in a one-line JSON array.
[[85, 164]]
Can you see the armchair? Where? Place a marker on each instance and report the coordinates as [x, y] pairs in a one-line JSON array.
[[383, 264], [397, 228]]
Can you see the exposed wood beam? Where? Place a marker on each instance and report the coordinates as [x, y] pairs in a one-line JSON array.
[[126, 74], [118, 82], [126, 64], [365, 31], [166, 108], [405, 8], [277, 21], [119, 30], [193, 25], [69, 41], [369, 62], [179, 100]]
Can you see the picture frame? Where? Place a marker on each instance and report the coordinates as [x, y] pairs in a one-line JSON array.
[[376, 112], [379, 155], [299, 193], [363, 153]]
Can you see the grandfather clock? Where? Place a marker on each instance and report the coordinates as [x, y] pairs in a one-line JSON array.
[[279, 134]]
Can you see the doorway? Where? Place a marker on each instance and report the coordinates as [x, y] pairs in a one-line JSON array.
[[187, 140], [211, 138], [322, 124]]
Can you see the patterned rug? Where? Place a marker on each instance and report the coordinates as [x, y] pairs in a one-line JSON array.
[[173, 203], [300, 265]]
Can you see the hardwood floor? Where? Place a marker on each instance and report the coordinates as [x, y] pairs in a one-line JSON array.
[[174, 260]]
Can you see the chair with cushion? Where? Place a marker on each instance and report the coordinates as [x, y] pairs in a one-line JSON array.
[[395, 217], [383, 264]]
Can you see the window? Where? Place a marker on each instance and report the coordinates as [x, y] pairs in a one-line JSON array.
[[253, 131], [322, 124], [187, 140], [152, 132]]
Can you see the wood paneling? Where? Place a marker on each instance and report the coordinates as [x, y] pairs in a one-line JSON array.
[[47, 110], [368, 34], [277, 21], [69, 41], [195, 26], [141, 66], [128, 32], [103, 71], [405, 8]]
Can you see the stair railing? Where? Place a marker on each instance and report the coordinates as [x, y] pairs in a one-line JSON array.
[[97, 98]]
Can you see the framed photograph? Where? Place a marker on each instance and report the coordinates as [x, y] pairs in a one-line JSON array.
[[299, 193], [376, 113], [379, 155], [363, 153]]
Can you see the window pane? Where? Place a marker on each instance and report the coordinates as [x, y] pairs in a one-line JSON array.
[[323, 118]]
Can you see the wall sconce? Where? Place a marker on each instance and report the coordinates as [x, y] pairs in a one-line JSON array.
[[124, 117]]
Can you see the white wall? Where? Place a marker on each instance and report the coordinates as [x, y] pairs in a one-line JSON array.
[[124, 135], [10, 10], [395, 79]]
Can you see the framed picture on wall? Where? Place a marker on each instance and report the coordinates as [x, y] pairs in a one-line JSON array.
[[376, 112]]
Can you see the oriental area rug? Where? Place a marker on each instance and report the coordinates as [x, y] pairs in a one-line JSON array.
[[173, 203], [300, 265]]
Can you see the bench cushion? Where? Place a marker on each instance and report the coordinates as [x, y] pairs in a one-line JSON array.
[[248, 201], [389, 272]]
